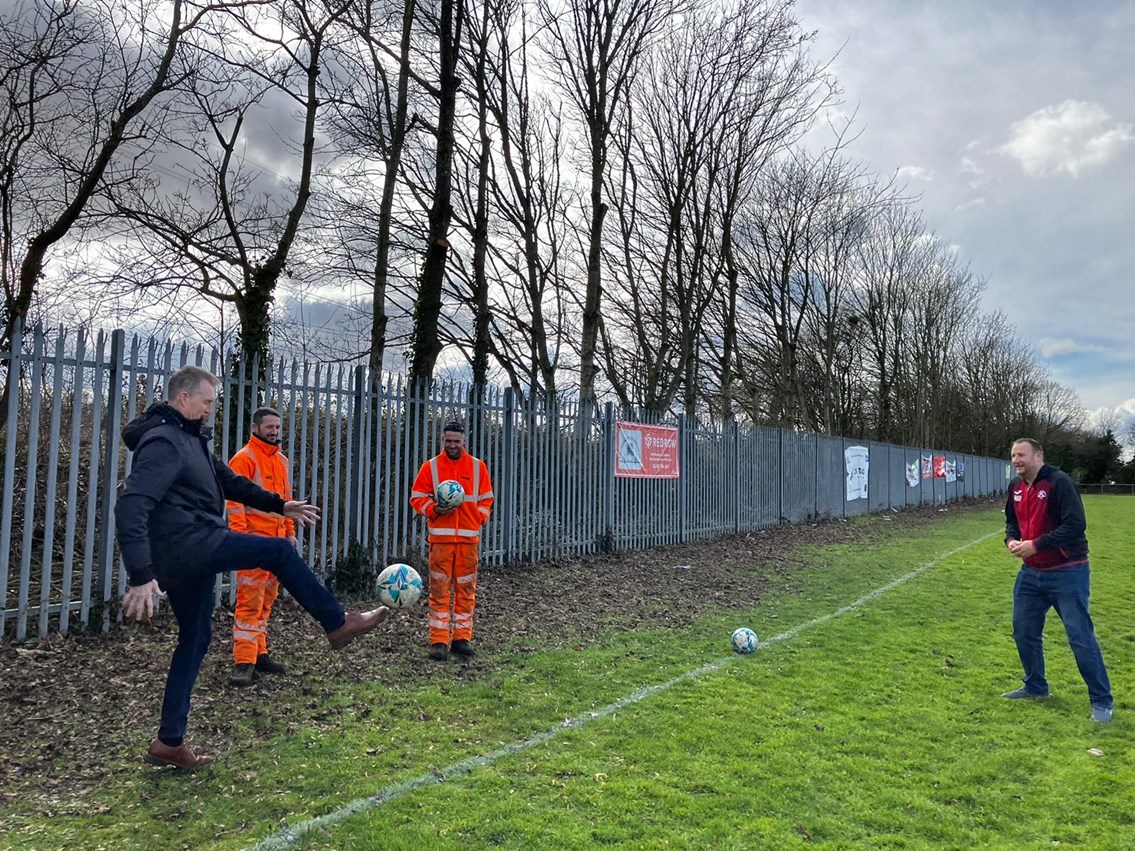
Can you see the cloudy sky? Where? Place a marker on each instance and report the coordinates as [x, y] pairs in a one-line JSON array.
[[1015, 121]]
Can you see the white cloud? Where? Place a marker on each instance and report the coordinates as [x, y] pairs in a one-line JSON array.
[[968, 166], [1073, 137], [1052, 347], [914, 172]]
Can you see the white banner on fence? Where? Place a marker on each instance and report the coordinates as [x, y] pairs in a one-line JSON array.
[[857, 461], [646, 451]]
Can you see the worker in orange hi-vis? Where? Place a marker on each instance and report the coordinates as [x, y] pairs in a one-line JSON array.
[[454, 538], [256, 590]]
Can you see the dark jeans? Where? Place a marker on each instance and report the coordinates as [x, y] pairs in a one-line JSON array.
[[192, 604], [1067, 591]]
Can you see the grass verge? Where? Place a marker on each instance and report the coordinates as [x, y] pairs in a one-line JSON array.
[[881, 728]]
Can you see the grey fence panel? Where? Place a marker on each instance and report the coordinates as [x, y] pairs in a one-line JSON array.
[[758, 479], [798, 479], [896, 472], [355, 445], [879, 476], [711, 499], [831, 477]]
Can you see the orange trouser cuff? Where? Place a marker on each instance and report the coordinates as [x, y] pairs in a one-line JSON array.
[[453, 591], [256, 592]]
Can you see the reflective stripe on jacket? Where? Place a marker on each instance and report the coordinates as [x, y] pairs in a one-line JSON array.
[[462, 525], [267, 466]]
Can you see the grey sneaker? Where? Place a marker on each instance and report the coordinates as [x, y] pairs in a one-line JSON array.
[[1023, 693], [1101, 714]]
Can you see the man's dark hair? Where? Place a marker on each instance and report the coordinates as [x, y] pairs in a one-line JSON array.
[[1033, 443], [188, 378], [260, 413], [454, 426]]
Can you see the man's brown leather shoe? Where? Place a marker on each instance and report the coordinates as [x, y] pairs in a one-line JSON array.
[[181, 756], [355, 625]]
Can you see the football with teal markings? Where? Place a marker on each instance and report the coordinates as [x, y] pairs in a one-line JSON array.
[[399, 586], [449, 494], [744, 640]]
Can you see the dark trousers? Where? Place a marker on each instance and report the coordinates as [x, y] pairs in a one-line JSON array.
[[192, 604]]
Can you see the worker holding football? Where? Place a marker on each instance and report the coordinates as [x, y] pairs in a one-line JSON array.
[[454, 538], [256, 589]]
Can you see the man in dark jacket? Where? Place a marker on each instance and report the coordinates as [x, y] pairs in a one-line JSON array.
[[172, 531], [1045, 526]]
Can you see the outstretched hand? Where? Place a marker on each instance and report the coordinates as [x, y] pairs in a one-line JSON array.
[[138, 602], [301, 512]]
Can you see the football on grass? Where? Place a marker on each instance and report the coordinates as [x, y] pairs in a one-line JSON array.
[[744, 640], [449, 494], [399, 586]]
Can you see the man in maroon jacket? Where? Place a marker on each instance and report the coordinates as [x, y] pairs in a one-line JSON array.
[[1045, 528]]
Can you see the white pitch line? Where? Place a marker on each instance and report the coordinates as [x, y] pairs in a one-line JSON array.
[[288, 835]]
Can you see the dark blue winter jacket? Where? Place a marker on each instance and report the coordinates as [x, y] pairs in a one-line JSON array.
[[170, 517]]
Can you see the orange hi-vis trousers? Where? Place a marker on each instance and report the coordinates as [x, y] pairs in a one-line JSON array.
[[256, 591], [453, 577]]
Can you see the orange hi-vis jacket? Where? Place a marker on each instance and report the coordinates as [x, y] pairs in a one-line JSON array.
[[268, 467], [462, 526]]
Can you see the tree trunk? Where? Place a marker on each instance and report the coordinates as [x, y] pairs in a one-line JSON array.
[[426, 346], [379, 319]]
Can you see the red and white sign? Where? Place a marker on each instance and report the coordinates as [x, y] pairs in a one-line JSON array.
[[646, 451]]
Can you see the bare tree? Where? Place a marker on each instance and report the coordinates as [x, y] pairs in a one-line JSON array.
[[775, 246], [595, 48], [426, 341], [230, 233], [370, 96], [530, 318], [75, 80]]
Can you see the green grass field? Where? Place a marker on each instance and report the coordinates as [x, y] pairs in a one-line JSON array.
[[879, 728]]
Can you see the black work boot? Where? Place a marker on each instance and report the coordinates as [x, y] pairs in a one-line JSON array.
[[265, 664], [463, 648], [243, 675], [438, 652]]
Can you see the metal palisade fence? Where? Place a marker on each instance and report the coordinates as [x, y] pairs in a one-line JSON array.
[[355, 448]]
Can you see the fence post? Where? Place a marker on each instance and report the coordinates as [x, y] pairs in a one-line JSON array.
[[735, 431], [506, 476], [13, 387], [356, 454], [607, 542], [816, 476], [105, 555], [683, 480], [781, 517]]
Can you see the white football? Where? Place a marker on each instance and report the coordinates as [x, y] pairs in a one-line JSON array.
[[449, 494], [744, 640], [399, 586]]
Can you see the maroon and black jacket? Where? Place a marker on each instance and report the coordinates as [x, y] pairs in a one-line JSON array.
[[1050, 513]]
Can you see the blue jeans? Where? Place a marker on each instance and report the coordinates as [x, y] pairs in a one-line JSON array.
[[191, 599], [1065, 590]]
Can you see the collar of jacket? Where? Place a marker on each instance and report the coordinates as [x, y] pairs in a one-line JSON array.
[[158, 414], [258, 444]]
